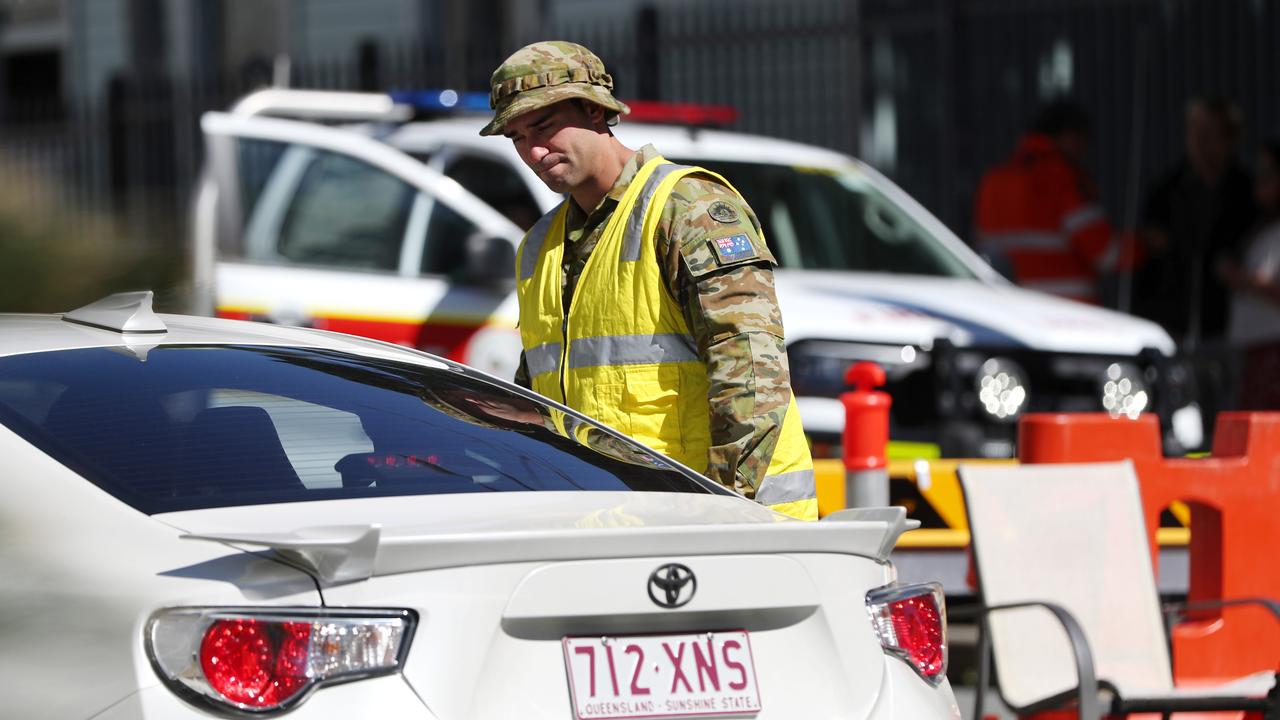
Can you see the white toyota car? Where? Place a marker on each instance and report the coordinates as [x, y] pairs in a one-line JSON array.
[[212, 518]]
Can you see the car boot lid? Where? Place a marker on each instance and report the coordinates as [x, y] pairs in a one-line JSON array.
[[388, 540]]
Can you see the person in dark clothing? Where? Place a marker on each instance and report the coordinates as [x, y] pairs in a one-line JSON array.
[[1255, 310], [1196, 217]]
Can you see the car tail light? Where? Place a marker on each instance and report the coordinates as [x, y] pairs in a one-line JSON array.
[[260, 659], [911, 622]]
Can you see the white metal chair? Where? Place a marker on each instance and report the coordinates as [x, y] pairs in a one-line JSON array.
[[1069, 606]]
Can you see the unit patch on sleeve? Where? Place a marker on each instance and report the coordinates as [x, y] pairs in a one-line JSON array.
[[734, 248], [721, 211]]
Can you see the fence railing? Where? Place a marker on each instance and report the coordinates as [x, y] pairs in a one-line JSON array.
[[932, 91]]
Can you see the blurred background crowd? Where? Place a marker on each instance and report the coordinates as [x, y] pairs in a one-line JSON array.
[[1156, 120]]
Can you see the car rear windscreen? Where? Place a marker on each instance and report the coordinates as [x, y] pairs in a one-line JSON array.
[[188, 427]]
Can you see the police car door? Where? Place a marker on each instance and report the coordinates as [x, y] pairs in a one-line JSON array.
[[302, 224]]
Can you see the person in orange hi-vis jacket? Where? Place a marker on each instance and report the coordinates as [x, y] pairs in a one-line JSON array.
[[1037, 215]]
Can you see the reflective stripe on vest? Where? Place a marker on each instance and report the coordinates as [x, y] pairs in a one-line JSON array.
[[1081, 218], [534, 240], [629, 358], [543, 359], [1074, 287], [1016, 240], [1110, 260], [1042, 260], [787, 487], [635, 220], [631, 350]]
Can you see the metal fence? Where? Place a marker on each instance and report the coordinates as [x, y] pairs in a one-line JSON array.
[[933, 92], [930, 91], [135, 154], [966, 76]]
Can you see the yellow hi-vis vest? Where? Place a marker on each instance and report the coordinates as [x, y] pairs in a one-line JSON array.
[[623, 353]]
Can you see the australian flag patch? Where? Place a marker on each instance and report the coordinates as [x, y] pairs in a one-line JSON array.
[[734, 248]]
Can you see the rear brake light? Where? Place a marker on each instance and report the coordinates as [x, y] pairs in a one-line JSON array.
[[911, 623], [257, 659]]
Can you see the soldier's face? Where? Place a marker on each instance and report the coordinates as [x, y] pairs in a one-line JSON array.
[[562, 143]]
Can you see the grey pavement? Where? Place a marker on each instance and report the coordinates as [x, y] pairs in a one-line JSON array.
[[994, 708], [963, 673]]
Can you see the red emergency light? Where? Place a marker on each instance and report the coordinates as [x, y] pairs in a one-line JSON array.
[[692, 114]]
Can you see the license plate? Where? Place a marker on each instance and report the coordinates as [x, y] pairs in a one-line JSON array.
[[662, 676]]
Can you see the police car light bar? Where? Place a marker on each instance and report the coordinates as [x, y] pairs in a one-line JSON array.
[[442, 100], [692, 114], [681, 113]]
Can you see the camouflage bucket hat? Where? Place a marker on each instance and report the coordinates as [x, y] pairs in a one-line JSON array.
[[543, 73]]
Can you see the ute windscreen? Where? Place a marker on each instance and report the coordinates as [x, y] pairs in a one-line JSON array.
[[825, 219], [209, 426]]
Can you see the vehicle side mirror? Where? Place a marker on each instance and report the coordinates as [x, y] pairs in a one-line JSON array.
[[490, 262]]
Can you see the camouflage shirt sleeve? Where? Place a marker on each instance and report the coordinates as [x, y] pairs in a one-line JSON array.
[[725, 287]]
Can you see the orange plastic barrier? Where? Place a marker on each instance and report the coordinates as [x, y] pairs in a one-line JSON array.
[[1235, 523]]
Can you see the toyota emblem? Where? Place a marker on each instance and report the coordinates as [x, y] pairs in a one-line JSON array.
[[672, 585]]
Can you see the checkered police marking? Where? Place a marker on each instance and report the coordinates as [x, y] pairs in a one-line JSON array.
[[734, 248]]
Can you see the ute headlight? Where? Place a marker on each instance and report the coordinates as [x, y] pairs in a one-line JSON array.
[[1002, 389], [1124, 392]]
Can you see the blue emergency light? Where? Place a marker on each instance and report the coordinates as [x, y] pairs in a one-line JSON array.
[[442, 100]]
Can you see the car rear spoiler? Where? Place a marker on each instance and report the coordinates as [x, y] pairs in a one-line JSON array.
[[348, 553]]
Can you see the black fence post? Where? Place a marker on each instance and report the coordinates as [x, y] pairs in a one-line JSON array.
[[4, 74], [648, 54], [369, 66], [117, 142]]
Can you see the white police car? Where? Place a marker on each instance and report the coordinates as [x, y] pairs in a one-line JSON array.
[[209, 518], [403, 230]]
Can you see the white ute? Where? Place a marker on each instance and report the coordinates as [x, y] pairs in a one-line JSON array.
[[399, 229]]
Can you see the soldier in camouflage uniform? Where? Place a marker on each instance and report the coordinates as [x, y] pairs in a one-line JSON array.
[[729, 305]]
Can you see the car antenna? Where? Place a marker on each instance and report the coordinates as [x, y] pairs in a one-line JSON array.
[[127, 312]]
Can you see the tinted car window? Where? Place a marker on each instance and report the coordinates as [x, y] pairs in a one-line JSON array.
[[348, 214], [498, 185], [257, 160], [196, 427], [824, 219], [444, 252]]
